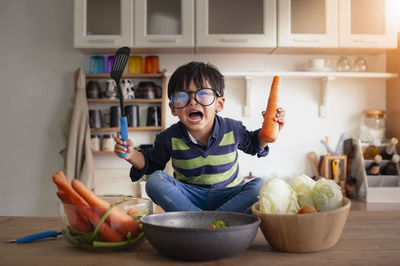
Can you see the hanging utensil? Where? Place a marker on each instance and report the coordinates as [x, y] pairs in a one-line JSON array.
[[314, 162], [120, 59], [339, 146]]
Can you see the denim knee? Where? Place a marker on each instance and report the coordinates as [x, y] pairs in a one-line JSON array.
[[153, 181], [255, 185]]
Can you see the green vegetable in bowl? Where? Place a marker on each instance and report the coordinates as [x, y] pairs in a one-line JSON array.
[[303, 186], [327, 195], [276, 196], [218, 224]]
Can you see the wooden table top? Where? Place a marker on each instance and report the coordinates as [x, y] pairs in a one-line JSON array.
[[369, 238]]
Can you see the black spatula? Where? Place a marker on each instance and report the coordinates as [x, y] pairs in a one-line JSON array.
[[120, 59]]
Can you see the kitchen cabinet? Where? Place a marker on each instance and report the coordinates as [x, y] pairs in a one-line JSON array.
[[236, 23], [307, 23], [267, 26], [104, 105], [160, 23], [103, 23], [343, 24], [367, 23]]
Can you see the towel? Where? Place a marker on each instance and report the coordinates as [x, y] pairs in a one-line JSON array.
[[79, 162]]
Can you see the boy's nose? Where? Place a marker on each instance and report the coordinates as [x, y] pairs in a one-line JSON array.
[[192, 98]]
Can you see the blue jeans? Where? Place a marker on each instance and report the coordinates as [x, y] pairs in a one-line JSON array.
[[173, 195]]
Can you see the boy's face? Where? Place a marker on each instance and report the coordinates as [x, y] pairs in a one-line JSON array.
[[196, 117]]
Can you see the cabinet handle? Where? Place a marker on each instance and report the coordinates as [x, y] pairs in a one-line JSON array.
[[160, 40], [234, 40], [306, 40], [365, 41], [101, 40]]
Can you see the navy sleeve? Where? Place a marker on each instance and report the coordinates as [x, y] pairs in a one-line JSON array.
[[155, 158], [248, 141]]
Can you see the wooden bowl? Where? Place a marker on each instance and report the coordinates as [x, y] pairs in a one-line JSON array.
[[303, 232]]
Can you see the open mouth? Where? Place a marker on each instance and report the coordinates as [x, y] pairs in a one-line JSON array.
[[195, 116]]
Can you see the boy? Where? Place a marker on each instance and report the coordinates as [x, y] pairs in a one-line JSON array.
[[203, 147]]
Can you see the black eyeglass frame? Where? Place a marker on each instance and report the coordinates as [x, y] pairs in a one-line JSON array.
[[216, 95]]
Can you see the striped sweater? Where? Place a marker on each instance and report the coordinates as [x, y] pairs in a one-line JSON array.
[[213, 166]]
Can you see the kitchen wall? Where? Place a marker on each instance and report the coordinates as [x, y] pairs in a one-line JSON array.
[[36, 74]]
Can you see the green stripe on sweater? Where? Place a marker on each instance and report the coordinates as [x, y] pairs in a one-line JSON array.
[[208, 179], [201, 161], [228, 139], [179, 145]]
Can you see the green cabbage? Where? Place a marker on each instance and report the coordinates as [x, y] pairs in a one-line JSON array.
[[327, 195], [276, 196], [303, 186]]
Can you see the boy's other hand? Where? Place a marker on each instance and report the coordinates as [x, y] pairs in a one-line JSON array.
[[119, 149], [280, 117]]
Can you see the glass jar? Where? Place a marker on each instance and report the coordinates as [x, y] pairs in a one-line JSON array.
[[343, 64], [360, 65], [372, 129]]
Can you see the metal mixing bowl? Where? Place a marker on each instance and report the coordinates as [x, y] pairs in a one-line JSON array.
[[187, 236]]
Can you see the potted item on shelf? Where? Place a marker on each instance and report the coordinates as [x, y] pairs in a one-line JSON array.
[[154, 116], [132, 115], [110, 91], [148, 90], [95, 143], [93, 90], [108, 143], [96, 119]]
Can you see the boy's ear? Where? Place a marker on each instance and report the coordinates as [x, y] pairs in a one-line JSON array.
[[173, 110], [220, 104]]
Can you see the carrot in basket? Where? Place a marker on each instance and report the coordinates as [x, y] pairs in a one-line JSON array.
[[270, 127], [118, 219], [70, 196], [75, 219]]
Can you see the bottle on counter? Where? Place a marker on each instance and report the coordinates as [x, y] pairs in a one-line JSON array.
[[372, 126], [374, 167], [391, 167], [389, 151], [372, 150]]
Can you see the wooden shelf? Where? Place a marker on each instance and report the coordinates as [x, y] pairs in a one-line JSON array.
[[115, 129], [308, 74], [125, 75], [102, 100], [325, 78]]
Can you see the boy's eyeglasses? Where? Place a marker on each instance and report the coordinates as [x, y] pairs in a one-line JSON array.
[[204, 96]]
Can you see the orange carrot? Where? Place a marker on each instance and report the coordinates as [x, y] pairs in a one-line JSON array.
[[75, 219], [270, 127], [69, 195], [307, 209], [118, 219]]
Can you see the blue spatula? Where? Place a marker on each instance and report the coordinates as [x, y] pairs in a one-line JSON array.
[[120, 59]]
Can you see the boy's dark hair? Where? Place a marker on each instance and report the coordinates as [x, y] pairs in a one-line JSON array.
[[198, 72]]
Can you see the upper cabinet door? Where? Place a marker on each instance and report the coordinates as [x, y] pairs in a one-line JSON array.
[[367, 23], [307, 23], [164, 23], [103, 23], [236, 23]]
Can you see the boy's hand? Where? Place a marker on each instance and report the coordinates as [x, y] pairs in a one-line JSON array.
[[119, 149], [280, 117]]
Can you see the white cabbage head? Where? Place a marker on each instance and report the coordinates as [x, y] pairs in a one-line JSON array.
[[303, 186], [276, 196], [327, 195]]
